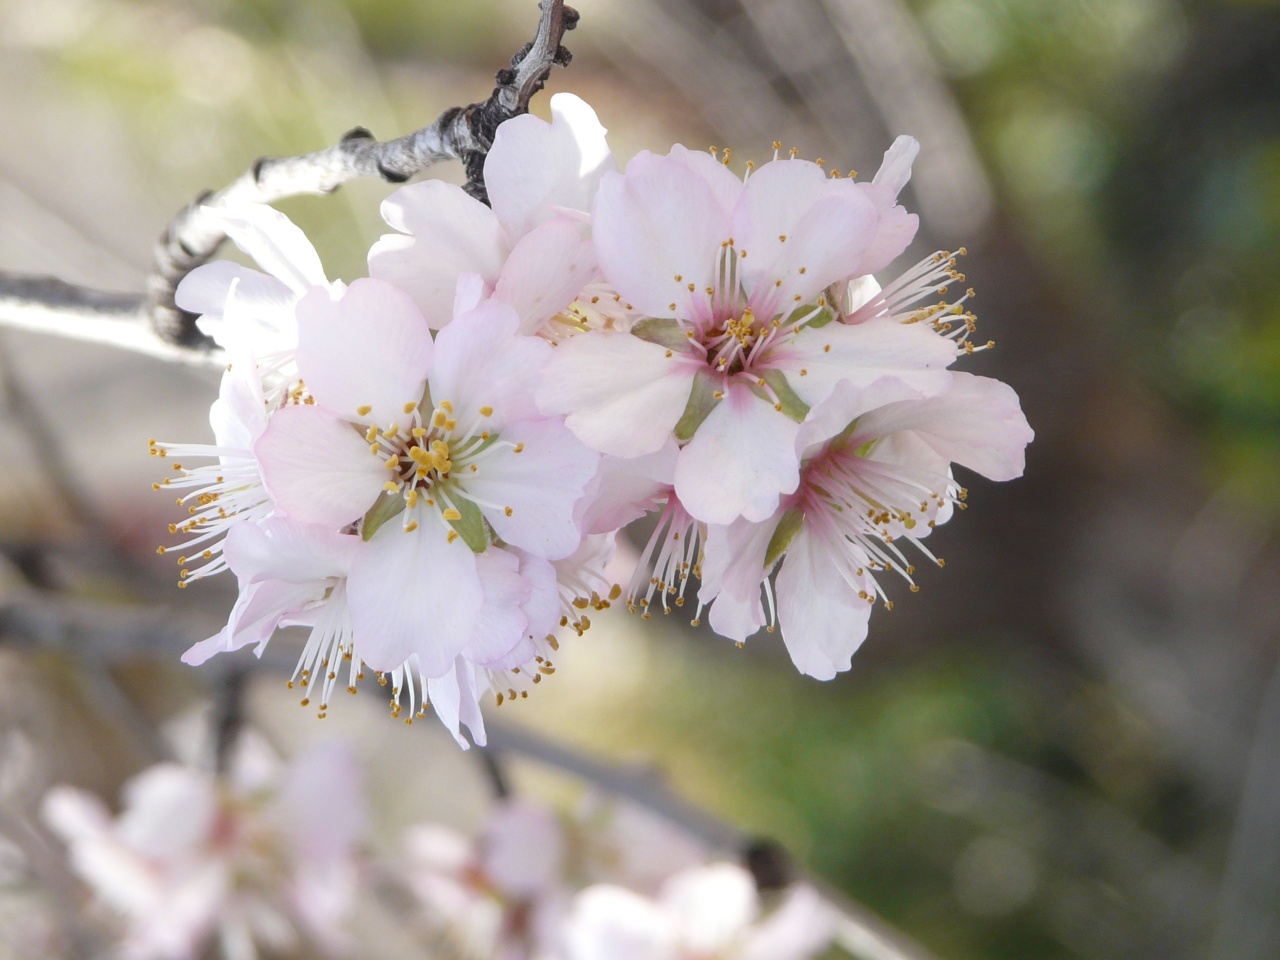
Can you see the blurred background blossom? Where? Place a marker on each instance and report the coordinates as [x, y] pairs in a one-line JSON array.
[[1066, 746]]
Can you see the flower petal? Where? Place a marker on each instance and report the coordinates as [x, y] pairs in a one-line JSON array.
[[282, 549], [623, 395], [414, 593], [740, 462], [273, 240], [531, 494], [901, 360], [978, 423], [502, 622], [317, 468], [659, 221], [822, 618], [801, 232], [450, 234], [481, 361], [546, 271], [535, 167], [369, 348]]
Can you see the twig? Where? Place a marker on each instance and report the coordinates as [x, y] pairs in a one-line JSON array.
[[460, 133], [50, 305]]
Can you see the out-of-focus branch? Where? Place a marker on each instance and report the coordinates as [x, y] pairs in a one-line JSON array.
[[460, 133], [50, 305]]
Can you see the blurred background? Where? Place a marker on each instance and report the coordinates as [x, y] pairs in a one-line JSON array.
[[1066, 746]]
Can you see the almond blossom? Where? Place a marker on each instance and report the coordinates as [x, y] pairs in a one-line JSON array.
[[532, 248], [260, 857], [871, 482], [432, 449], [741, 335]]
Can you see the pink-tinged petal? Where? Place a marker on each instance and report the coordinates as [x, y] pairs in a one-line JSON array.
[[823, 620], [895, 168], [450, 234], [733, 573], [733, 560], [801, 232], [369, 349], [978, 423], [502, 622], [740, 462], [625, 490], [543, 606], [894, 233], [455, 700], [257, 613], [546, 271], [204, 291], [317, 468], [168, 809], [725, 185], [481, 361], [275, 243], [414, 594], [75, 816], [622, 395], [535, 167], [320, 806], [901, 360], [523, 849], [529, 496], [282, 549], [659, 221]]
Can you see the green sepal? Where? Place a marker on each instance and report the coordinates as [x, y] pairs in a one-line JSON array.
[[792, 405], [471, 527], [783, 534], [824, 316], [387, 507], [702, 400], [663, 332]]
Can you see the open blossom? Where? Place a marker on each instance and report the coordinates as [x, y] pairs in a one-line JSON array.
[[264, 855], [742, 334], [434, 448], [532, 249], [873, 486]]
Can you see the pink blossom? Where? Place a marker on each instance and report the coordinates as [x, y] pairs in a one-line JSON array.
[[452, 454], [741, 337], [871, 481]]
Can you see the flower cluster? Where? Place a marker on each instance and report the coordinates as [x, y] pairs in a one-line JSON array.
[[266, 854], [427, 467]]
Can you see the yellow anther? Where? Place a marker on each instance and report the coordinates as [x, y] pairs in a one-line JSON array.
[[411, 526], [364, 410], [410, 407], [486, 411], [508, 511], [451, 514], [453, 535]]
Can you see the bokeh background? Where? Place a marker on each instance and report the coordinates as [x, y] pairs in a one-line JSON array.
[[1066, 746]]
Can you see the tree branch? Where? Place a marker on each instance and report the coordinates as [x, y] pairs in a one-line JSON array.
[[49, 305], [460, 133]]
